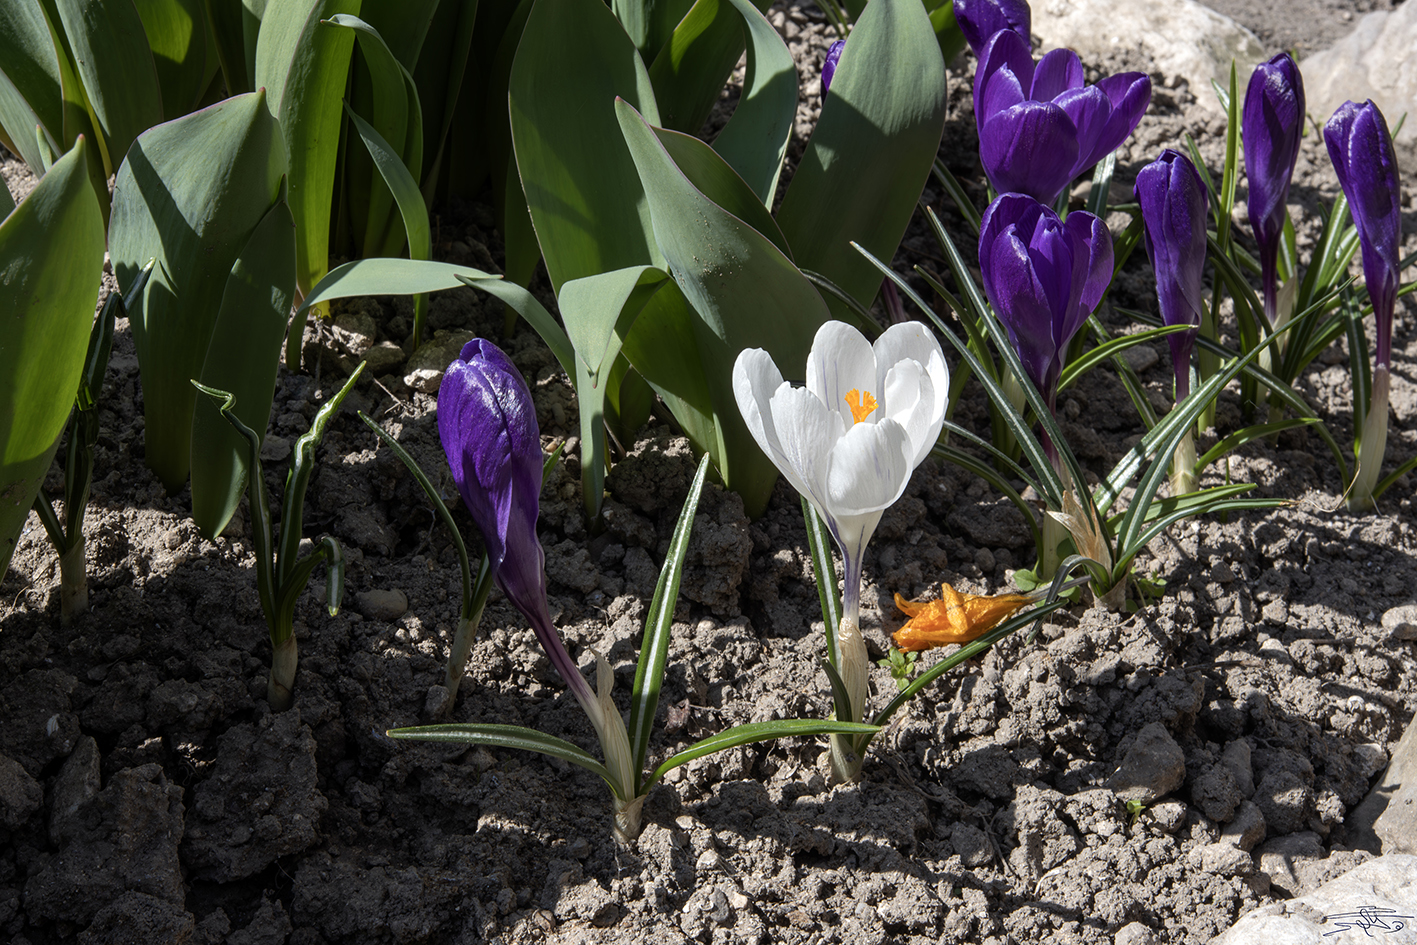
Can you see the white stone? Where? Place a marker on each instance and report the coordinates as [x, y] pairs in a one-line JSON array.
[[1373, 62], [1362, 905], [1181, 38]]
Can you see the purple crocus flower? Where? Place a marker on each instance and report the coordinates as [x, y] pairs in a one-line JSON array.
[[1361, 150], [829, 65], [1270, 126], [1040, 125], [488, 427], [1173, 209], [980, 19], [1044, 277]]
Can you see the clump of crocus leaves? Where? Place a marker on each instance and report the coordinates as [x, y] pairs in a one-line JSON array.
[[487, 423]]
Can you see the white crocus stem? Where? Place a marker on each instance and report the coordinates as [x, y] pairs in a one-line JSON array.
[[848, 442], [1373, 445]]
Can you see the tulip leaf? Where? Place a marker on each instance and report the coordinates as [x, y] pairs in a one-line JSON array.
[[754, 141], [872, 150], [650, 23], [112, 59], [31, 84], [190, 193], [654, 650], [228, 20], [754, 732], [441, 74], [662, 347], [506, 736], [744, 292], [7, 200], [599, 311], [51, 251], [176, 33], [690, 68], [241, 359], [716, 180], [585, 198], [303, 67]]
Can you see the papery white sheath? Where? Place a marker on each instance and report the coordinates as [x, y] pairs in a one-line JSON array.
[[849, 441]]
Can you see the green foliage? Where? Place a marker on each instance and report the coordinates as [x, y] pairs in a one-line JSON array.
[[51, 251]]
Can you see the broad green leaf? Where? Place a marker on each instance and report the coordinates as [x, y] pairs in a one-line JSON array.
[[302, 66], [663, 347], [650, 23], [7, 201], [689, 69], [112, 59], [401, 24], [659, 623], [506, 736], [599, 311], [872, 149], [51, 257], [190, 193], [744, 291], [31, 90], [754, 141], [225, 20], [177, 34], [711, 176], [440, 74], [586, 200], [242, 359]]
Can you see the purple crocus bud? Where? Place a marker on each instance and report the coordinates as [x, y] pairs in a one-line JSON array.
[[1173, 209], [1361, 150], [487, 424], [980, 19], [829, 66], [1270, 126], [1044, 277]]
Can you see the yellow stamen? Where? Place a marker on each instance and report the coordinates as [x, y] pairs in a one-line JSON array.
[[954, 618], [861, 404]]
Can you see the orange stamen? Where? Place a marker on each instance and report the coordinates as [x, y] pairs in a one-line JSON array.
[[861, 404], [954, 618]]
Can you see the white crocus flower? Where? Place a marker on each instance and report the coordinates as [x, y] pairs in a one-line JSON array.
[[849, 441]]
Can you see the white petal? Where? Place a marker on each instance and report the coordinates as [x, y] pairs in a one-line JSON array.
[[912, 341], [911, 396], [755, 379], [869, 468], [841, 361], [806, 432]]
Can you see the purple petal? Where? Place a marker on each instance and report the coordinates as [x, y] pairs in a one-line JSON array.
[[980, 19], [1005, 52], [1094, 248], [1130, 94], [1173, 207], [1091, 110], [1023, 306], [1057, 72], [829, 66], [1029, 148], [1271, 124]]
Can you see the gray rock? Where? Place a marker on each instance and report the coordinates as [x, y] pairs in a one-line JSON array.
[[1386, 820], [569, 564], [356, 331], [1247, 828], [386, 605], [1355, 902], [1224, 859], [1180, 38], [77, 784], [20, 794], [1283, 858], [971, 843], [382, 358], [427, 364], [1374, 61], [1141, 357], [1215, 792], [1401, 622], [259, 801], [1134, 934], [274, 448], [1154, 767], [123, 840]]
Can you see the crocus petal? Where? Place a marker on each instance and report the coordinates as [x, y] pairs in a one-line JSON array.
[[1270, 126], [829, 65], [1173, 206], [841, 361], [1096, 242], [756, 383], [807, 431], [980, 19], [870, 466], [1059, 71], [1130, 94], [1022, 305], [913, 342], [1029, 149], [1005, 52]]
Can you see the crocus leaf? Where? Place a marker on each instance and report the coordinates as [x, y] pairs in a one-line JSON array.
[[51, 250], [112, 58], [872, 149], [758, 732], [754, 141], [241, 359], [177, 35], [189, 194], [654, 651], [743, 290], [505, 736], [689, 69], [302, 66], [585, 198]]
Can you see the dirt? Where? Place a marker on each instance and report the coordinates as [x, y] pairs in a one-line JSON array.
[[147, 794]]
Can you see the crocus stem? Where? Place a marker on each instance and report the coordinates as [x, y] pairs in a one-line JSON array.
[[280, 687], [1054, 534], [1183, 465], [1373, 445], [466, 635], [73, 582], [853, 665], [627, 819]]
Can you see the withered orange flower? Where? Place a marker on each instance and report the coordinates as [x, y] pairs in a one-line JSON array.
[[954, 618]]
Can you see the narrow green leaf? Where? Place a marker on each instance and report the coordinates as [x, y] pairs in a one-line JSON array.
[[505, 736], [659, 623], [190, 194], [754, 141], [819, 544], [1111, 349], [1249, 434], [51, 251], [872, 149], [225, 20], [757, 732]]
